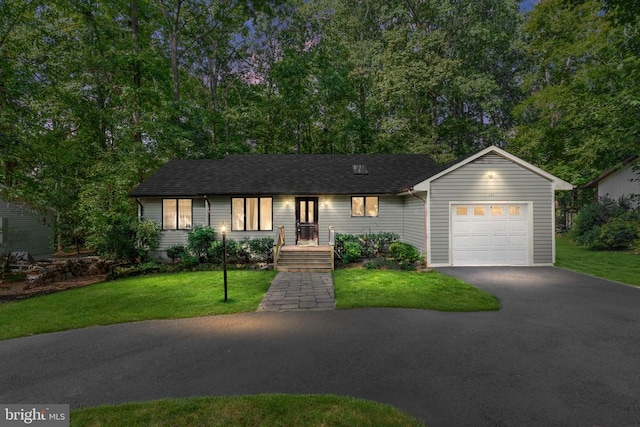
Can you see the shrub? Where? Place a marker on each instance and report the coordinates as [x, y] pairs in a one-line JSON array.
[[404, 254], [237, 253], [261, 249], [381, 242], [369, 245], [127, 239], [607, 225], [189, 261], [352, 252], [176, 252], [199, 241], [592, 217], [617, 233], [147, 237]]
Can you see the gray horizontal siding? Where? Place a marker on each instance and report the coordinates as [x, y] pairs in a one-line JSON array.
[[336, 212], [152, 210], [23, 229], [624, 183], [414, 222], [332, 211], [510, 183]]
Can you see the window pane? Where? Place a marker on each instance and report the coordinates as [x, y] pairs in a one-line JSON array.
[[237, 214], [311, 211], [303, 211], [514, 210], [496, 210], [266, 214], [252, 214], [461, 210], [184, 213], [357, 206], [169, 214], [478, 210], [372, 206]]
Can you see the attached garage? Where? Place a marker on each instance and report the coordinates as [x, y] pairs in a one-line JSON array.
[[491, 208], [490, 234]]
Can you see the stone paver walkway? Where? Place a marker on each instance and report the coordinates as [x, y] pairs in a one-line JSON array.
[[299, 291]]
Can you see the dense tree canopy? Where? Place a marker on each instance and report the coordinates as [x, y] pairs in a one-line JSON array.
[[97, 94], [581, 112]]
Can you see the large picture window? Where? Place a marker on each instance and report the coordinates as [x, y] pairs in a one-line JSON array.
[[364, 206], [176, 214], [251, 213]]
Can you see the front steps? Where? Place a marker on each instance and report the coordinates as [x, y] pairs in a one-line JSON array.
[[305, 259]]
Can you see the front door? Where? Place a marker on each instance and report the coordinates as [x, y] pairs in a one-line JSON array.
[[306, 220]]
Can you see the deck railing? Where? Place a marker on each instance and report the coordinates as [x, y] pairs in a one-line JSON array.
[[332, 243], [278, 243]]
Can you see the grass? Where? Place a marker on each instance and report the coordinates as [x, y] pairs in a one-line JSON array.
[[180, 295], [622, 267], [260, 410], [433, 291], [165, 296]]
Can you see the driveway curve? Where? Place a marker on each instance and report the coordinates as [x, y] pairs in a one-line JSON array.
[[563, 350]]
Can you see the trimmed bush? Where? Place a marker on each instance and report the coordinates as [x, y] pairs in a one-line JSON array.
[[200, 238], [404, 254]]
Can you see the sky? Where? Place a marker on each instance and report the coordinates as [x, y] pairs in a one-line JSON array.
[[526, 5]]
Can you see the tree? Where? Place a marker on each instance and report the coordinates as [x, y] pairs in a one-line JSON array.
[[580, 114]]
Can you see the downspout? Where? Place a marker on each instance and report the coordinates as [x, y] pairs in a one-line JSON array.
[[208, 205], [140, 209], [426, 240]]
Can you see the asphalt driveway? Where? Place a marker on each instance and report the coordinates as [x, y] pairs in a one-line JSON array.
[[564, 350]]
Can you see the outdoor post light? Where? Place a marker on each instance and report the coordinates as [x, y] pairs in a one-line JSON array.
[[224, 258]]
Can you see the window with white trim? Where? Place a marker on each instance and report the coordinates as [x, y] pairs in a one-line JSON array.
[[177, 214], [251, 213], [364, 206]]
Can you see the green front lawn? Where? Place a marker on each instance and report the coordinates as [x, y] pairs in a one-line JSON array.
[[391, 288], [622, 267], [260, 410], [179, 295], [164, 296]]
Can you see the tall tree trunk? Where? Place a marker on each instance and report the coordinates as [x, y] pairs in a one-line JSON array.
[[172, 20], [137, 78], [363, 116]]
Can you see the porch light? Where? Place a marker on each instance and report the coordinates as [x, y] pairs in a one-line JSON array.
[[490, 175]]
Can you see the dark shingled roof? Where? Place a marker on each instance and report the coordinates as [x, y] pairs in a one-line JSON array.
[[273, 174]]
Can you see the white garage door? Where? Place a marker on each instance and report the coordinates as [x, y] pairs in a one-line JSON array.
[[490, 234]]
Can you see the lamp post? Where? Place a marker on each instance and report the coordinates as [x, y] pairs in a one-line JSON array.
[[224, 258]]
